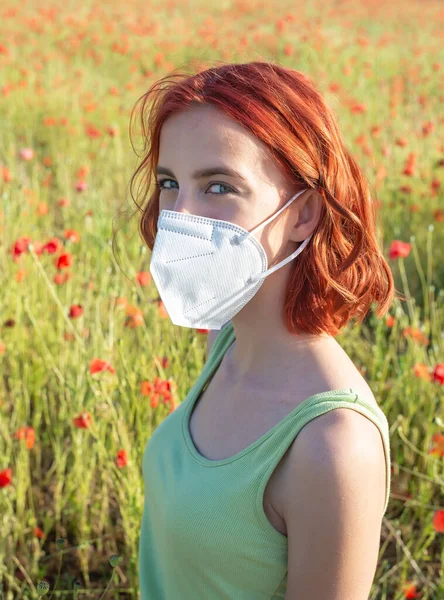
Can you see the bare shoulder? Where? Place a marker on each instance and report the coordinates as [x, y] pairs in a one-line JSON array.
[[341, 443], [333, 509], [335, 431]]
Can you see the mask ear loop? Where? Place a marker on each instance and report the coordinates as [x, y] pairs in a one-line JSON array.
[[237, 239], [240, 238], [282, 263]]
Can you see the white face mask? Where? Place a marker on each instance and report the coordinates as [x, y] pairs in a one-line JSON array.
[[206, 270]]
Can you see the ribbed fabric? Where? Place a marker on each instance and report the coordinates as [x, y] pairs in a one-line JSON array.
[[204, 533]]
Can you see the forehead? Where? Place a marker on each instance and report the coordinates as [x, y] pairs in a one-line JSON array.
[[205, 136]]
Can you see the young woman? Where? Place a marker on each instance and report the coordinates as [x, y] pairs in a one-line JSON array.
[[262, 483]]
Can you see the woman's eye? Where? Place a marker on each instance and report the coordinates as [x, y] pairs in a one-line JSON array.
[[222, 185], [161, 185]]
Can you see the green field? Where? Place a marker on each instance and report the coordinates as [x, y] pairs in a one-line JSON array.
[[90, 362]]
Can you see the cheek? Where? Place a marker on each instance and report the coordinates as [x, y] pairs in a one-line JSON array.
[[166, 202], [269, 235], [271, 240]]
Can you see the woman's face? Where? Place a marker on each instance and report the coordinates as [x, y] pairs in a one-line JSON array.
[[203, 137]]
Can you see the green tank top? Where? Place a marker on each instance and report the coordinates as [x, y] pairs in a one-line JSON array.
[[204, 534]]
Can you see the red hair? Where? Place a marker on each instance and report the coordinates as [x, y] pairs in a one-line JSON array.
[[342, 270]]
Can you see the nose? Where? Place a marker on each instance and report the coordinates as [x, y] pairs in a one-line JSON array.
[[182, 204]]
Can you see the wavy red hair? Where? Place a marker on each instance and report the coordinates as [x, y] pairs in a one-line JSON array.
[[343, 270]]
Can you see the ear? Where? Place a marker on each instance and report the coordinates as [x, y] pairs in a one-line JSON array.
[[307, 212]]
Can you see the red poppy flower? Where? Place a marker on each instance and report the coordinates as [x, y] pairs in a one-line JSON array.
[[75, 311], [399, 249], [97, 365], [83, 421], [122, 458], [5, 477]]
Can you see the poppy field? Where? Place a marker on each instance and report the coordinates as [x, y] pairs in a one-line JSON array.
[[90, 363]]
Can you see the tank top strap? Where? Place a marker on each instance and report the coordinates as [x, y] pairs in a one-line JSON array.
[[263, 456], [270, 451]]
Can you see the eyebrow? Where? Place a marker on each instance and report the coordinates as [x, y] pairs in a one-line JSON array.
[[204, 172]]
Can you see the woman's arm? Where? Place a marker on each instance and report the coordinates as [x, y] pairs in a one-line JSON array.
[[333, 507]]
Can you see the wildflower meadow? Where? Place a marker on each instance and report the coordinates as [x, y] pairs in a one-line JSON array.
[[90, 362]]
